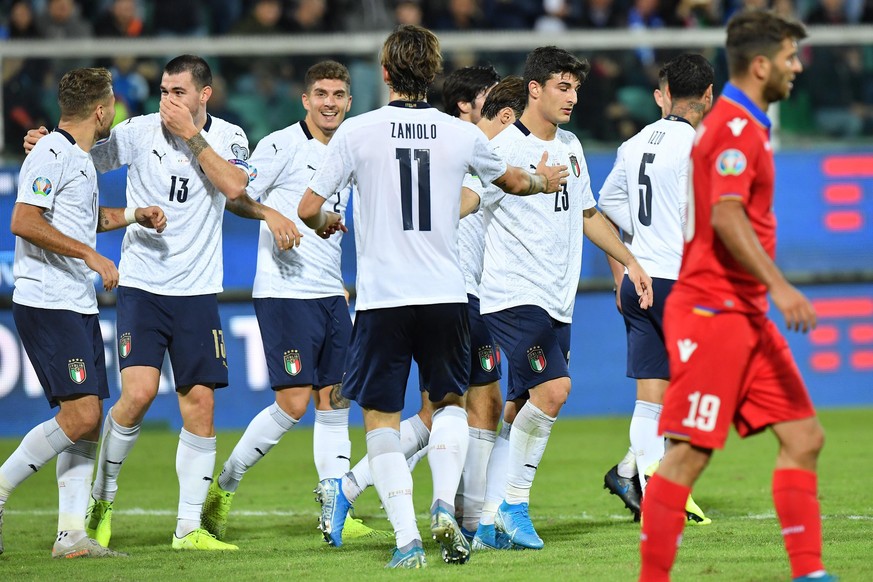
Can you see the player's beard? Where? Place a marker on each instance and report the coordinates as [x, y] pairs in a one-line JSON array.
[[777, 87], [104, 131]]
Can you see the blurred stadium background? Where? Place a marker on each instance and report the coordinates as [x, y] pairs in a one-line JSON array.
[[259, 50]]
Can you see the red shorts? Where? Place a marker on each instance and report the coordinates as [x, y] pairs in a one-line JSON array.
[[727, 367]]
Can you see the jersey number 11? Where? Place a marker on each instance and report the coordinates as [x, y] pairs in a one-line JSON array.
[[422, 157]]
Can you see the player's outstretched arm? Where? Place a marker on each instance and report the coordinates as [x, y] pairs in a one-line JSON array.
[[731, 224], [522, 183], [29, 223], [284, 230], [601, 233], [33, 136], [115, 218], [311, 212], [230, 179], [616, 268]]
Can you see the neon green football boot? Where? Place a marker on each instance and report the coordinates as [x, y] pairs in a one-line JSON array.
[[98, 521]]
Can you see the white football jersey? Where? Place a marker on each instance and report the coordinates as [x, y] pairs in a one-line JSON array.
[[646, 194], [186, 258], [408, 162], [533, 244], [471, 240], [60, 177], [286, 160]]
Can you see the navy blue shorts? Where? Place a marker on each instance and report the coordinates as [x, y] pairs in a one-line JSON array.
[[384, 341], [305, 340], [536, 347], [189, 328], [66, 350], [646, 352], [484, 353]]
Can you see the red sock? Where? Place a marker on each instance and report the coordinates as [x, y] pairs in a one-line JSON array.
[[663, 521], [795, 497]]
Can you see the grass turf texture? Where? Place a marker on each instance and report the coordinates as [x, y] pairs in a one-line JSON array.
[[588, 533]]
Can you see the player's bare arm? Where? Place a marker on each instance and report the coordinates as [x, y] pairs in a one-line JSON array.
[[312, 214], [29, 223], [731, 224], [33, 136], [616, 268], [520, 182], [599, 231], [469, 202], [115, 218], [284, 230], [227, 177]]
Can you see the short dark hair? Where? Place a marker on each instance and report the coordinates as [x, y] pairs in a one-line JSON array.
[[545, 61], [81, 90], [201, 74], [465, 84], [510, 92], [411, 55], [689, 76], [754, 33], [326, 70]]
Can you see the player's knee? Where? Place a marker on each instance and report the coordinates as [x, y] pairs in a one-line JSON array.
[[136, 400]]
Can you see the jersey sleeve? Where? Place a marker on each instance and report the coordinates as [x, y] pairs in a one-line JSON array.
[[485, 163], [730, 171], [335, 169], [269, 165], [235, 149], [118, 149], [613, 201], [682, 191], [473, 183], [40, 180]]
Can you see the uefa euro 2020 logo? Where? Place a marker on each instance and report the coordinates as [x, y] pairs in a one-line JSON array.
[[731, 163], [42, 186]]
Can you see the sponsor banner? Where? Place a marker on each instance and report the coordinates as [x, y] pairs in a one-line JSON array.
[[836, 361]]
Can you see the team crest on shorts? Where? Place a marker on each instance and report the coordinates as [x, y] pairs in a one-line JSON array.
[[537, 359], [486, 358], [292, 362], [77, 370], [124, 345], [574, 164]]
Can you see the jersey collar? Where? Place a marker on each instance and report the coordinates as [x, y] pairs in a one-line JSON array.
[[305, 129], [672, 117], [733, 94], [208, 123], [69, 137], [521, 127], [410, 104]]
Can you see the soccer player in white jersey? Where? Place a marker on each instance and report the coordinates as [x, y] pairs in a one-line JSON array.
[[55, 219], [408, 162], [533, 255], [645, 194], [194, 164], [299, 301]]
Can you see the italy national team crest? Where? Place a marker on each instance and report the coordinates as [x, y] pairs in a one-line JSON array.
[[292, 362], [537, 359], [486, 358], [574, 164], [124, 345], [77, 370]]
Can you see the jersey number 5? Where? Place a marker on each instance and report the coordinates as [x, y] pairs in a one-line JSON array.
[[422, 157], [645, 188]]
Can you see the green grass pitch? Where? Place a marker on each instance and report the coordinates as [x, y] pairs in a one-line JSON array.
[[588, 533]]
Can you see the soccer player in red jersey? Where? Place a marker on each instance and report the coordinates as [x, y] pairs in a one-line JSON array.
[[715, 318]]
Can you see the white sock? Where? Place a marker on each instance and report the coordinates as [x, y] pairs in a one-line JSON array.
[[393, 481], [74, 469], [447, 452], [495, 482], [646, 443], [331, 447], [261, 435], [475, 473], [627, 467], [527, 443], [195, 462], [116, 443], [39, 446], [413, 444]]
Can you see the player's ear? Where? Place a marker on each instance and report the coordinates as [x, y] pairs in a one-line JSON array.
[[507, 116], [465, 107], [707, 98], [205, 94], [349, 104], [533, 89]]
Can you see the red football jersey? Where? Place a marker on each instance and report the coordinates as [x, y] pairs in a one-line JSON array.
[[731, 160]]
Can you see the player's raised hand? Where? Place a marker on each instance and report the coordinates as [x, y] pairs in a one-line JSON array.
[[332, 225], [33, 136], [284, 230], [642, 283], [151, 217], [177, 119], [556, 176], [103, 267], [797, 310]]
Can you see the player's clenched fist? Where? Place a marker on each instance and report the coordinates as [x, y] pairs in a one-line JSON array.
[[151, 217]]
